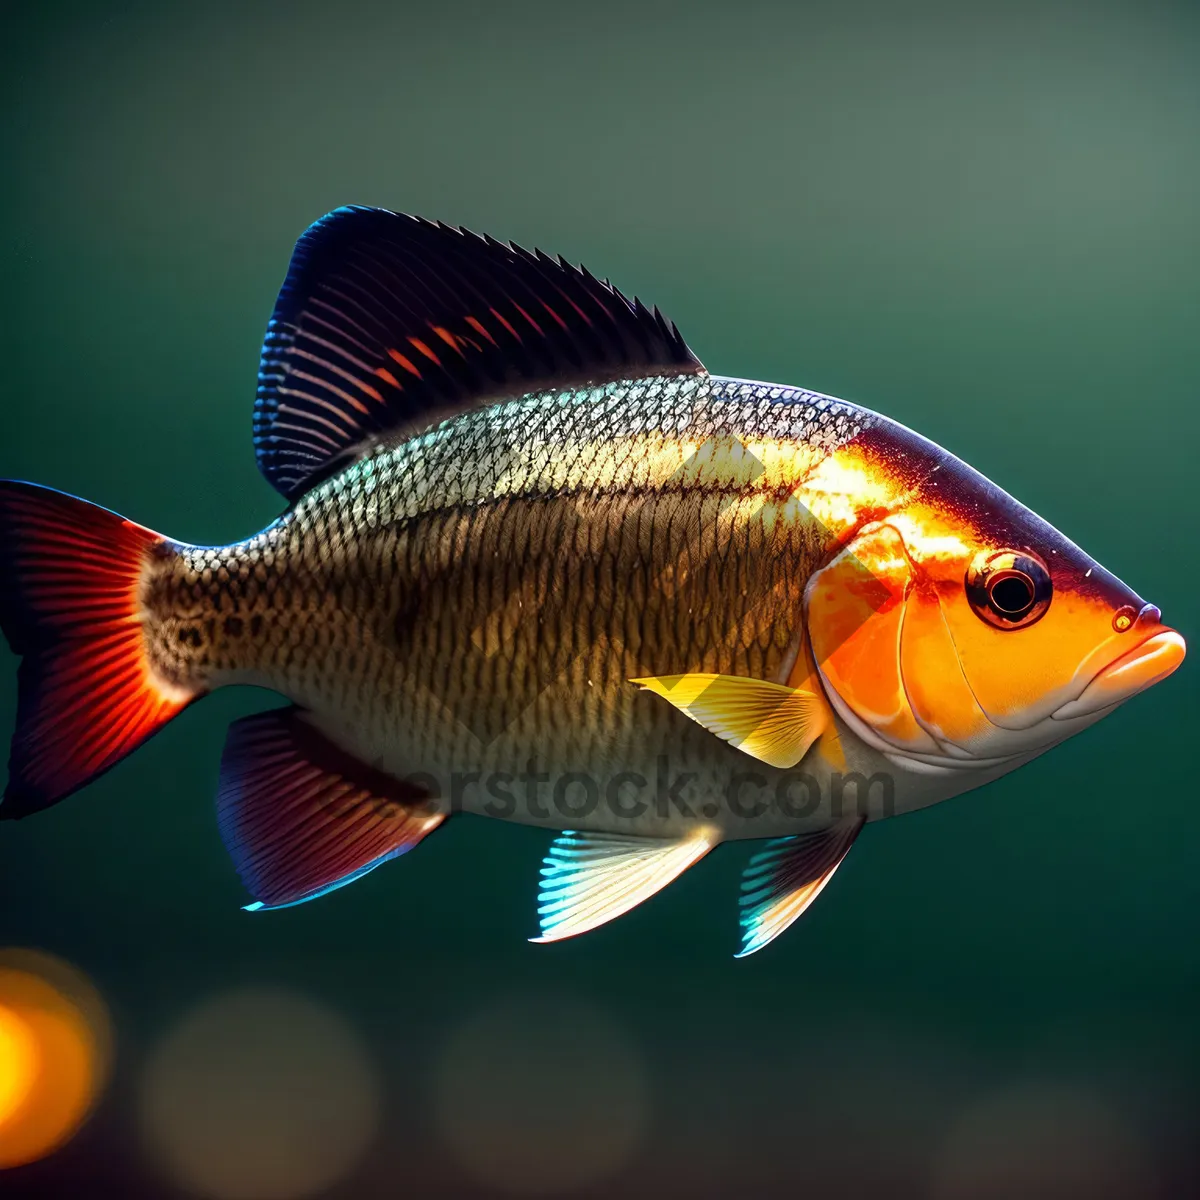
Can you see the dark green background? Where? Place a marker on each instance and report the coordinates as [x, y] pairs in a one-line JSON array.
[[981, 220]]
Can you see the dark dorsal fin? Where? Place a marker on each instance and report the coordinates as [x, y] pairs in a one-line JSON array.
[[390, 323]]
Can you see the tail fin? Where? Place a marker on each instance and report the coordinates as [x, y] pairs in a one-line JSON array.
[[70, 603]]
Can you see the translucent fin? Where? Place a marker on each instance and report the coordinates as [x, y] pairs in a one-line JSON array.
[[590, 878], [770, 722], [300, 817], [387, 323], [71, 591], [785, 878]]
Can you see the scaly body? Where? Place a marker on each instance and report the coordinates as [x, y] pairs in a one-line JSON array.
[[457, 625]]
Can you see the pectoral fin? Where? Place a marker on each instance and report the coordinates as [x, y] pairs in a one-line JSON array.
[[590, 878], [769, 721], [785, 878]]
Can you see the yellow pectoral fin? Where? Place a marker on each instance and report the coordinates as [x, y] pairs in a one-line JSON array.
[[768, 721]]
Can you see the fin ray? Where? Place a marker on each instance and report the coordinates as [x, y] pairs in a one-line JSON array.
[[589, 879], [71, 607], [388, 323], [769, 721], [301, 818], [782, 881]]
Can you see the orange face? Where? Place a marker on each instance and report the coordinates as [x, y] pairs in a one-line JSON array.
[[956, 628]]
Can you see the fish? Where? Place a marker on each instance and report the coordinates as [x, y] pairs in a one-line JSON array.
[[538, 564]]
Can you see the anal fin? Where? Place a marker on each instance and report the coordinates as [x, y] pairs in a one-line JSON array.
[[300, 817], [590, 878], [781, 881]]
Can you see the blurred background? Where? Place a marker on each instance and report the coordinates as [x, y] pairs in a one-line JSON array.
[[980, 219]]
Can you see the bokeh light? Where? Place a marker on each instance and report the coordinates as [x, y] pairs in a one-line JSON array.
[[259, 1094], [541, 1094], [55, 1052], [19, 1061], [1043, 1140]]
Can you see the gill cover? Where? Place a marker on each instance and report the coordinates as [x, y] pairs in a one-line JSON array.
[[886, 655]]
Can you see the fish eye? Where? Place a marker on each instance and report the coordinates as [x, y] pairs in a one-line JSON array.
[[1009, 589]]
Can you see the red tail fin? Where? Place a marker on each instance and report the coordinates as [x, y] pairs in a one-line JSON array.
[[70, 603]]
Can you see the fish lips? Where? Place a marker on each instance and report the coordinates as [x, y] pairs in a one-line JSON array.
[[1148, 663]]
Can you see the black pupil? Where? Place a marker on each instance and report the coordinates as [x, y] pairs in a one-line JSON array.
[[1013, 595]]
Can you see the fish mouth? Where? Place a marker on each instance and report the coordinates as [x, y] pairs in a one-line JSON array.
[[1142, 667]]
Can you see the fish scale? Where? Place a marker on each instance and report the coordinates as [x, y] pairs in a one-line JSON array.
[[537, 563], [413, 574]]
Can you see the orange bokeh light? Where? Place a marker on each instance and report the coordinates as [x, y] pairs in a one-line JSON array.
[[54, 1054], [19, 1061]]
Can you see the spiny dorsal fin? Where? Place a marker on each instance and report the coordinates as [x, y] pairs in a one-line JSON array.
[[590, 878], [389, 323], [781, 881]]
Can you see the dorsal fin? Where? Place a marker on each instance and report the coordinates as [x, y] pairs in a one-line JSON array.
[[389, 323]]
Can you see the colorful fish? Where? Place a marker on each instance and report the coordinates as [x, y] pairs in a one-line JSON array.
[[538, 563]]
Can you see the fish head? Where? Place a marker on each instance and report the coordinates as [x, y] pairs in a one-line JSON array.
[[956, 629]]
